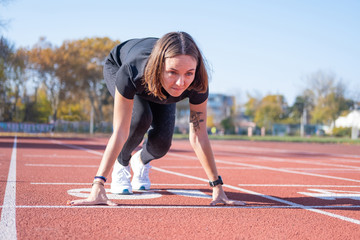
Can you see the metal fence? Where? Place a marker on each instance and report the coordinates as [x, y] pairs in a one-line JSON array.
[[59, 126]]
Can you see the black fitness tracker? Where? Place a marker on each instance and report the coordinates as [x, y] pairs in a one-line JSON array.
[[216, 182]]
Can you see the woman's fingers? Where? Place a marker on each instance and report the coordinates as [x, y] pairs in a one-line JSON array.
[[97, 197], [82, 202], [110, 203], [227, 202], [235, 203], [79, 202]]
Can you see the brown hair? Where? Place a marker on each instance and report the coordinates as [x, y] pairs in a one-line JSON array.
[[170, 45]]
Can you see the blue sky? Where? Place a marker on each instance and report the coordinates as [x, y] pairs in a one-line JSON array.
[[257, 47]]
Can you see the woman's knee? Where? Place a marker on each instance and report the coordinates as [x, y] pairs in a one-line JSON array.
[[161, 151], [159, 147]]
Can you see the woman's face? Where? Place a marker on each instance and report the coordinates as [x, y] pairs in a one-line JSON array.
[[179, 73]]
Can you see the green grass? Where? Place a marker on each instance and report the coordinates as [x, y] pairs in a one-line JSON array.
[[312, 139]]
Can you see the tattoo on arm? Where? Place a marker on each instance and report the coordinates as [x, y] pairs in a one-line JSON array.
[[195, 119]]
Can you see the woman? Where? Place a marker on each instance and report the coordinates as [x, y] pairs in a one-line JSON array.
[[147, 77]]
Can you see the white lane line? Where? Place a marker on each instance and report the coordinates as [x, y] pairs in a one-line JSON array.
[[198, 167], [264, 150], [311, 162], [60, 165], [8, 213], [57, 156], [248, 191], [194, 167], [336, 160], [277, 159], [76, 147], [289, 171], [95, 166], [194, 207], [295, 205], [233, 163], [252, 168], [322, 169], [276, 169], [296, 185]]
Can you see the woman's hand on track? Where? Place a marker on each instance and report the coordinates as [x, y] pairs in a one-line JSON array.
[[96, 197], [219, 197]]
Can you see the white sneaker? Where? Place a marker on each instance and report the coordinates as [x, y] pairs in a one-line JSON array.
[[141, 180], [120, 183]]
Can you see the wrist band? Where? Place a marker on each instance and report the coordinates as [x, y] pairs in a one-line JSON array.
[[216, 182], [101, 177]]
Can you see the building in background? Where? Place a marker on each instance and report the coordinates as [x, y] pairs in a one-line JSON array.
[[219, 107]]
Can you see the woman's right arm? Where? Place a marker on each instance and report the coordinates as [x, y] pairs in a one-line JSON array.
[[121, 127]]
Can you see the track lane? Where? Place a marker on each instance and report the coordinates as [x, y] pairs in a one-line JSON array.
[[262, 217]]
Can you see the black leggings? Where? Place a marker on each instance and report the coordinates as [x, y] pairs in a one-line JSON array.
[[160, 118]]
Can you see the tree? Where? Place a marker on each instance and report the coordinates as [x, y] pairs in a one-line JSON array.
[[297, 109], [38, 111], [71, 110], [80, 66], [272, 108], [228, 125], [43, 60], [327, 97], [251, 106], [329, 108], [6, 52], [18, 78]]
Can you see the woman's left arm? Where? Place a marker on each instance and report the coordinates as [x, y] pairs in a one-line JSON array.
[[199, 141]]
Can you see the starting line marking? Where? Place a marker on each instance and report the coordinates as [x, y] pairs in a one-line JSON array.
[[153, 193], [153, 184], [84, 193]]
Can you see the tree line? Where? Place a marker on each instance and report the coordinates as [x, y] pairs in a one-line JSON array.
[[321, 102], [46, 83]]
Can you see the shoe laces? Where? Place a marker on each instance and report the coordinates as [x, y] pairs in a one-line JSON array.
[[125, 175], [144, 172]]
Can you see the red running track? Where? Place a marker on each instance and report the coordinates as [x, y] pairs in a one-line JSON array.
[[292, 191]]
